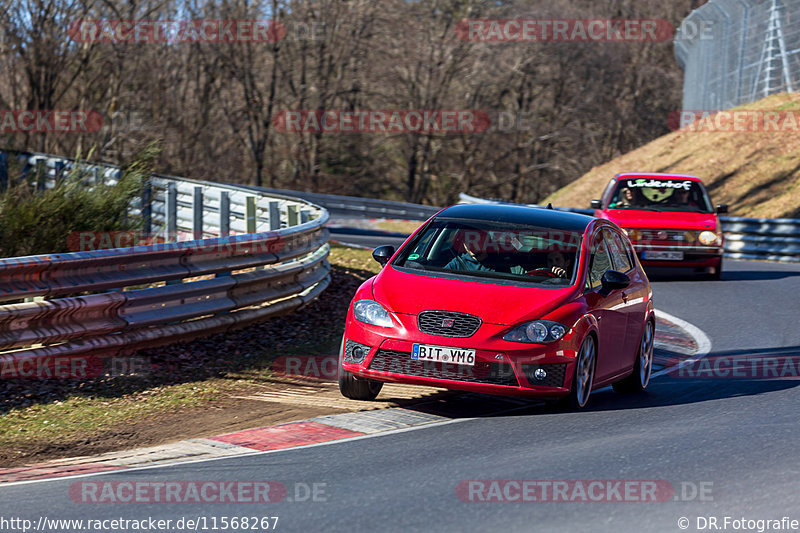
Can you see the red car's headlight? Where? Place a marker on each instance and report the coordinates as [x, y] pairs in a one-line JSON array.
[[538, 331], [371, 312], [708, 238]]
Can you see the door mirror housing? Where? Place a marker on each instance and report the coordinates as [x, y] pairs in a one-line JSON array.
[[613, 280], [722, 209], [597, 204], [382, 254]]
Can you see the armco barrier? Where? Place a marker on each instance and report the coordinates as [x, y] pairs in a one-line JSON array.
[[356, 207], [773, 239], [255, 256]]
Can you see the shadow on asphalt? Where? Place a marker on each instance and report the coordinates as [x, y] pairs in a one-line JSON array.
[[758, 275], [675, 274], [676, 388]]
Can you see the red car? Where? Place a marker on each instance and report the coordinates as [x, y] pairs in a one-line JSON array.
[[510, 300], [669, 219]]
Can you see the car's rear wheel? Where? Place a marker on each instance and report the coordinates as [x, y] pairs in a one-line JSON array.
[[583, 379], [643, 367], [354, 388]]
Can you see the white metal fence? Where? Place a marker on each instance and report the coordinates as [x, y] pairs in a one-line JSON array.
[[735, 52]]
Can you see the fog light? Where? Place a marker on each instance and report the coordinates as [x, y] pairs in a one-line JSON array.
[[540, 374], [358, 353], [355, 352]]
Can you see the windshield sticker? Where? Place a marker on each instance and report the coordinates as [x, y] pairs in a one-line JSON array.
[[658, 184]]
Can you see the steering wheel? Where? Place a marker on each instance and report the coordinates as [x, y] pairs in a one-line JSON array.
[[546, 272]]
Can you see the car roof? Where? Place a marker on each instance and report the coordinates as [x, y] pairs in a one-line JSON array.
[[520, 214], [657, 175]]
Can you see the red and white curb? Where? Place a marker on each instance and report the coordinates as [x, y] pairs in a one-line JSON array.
[[311, 432]]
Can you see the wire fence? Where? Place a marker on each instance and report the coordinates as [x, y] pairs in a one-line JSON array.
[[734, 52]]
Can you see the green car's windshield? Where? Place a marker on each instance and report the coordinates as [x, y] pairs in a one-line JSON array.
[[494, 250]]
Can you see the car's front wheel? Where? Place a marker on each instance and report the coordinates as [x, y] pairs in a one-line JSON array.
[[354, 388], [583, 379], [643, 367]]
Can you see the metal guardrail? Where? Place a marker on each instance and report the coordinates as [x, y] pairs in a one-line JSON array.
[[361, 207], [772, 239], [112, 302]]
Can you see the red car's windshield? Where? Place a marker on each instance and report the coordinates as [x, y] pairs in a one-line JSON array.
[[490, 249], [660, 194]]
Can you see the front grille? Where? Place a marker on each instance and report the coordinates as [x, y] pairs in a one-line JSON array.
[[448, 323], [555, 375], [489, 373], [673, 235]]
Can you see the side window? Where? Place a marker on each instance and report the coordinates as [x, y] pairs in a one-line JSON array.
[[600, 261], [619, 253], [606, 197]]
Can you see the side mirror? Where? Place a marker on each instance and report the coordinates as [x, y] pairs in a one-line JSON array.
[[722, 209], [596, 204], [613, 280], [382, 254]]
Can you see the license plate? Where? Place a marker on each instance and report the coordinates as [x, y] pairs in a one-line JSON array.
[[444, 354], [663, 256]]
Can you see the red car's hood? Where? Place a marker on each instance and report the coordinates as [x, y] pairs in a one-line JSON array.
[[402, 292], [631, 218]]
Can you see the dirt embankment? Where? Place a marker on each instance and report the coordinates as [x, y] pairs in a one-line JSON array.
[[756, 172]]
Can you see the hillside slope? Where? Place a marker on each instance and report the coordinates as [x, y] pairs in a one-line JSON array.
[[757, 174]]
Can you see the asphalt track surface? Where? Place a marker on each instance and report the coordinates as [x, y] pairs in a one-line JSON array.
[[736, 439]]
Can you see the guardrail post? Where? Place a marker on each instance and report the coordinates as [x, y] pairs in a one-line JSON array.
[[41, 175], [172, 221], [172, 212], [147, 206], [59, 172], [274, 216], [197, 212], [3, 171], [291, 212], [305, 216], [224, 222], [250, 214], [224, 214]]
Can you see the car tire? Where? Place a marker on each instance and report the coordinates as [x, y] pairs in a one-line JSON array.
[[643, 366], [717, 275], [583, 377], [354, 388]]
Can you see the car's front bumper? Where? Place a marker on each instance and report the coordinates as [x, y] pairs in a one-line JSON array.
[[501, 367], [696, 256]]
